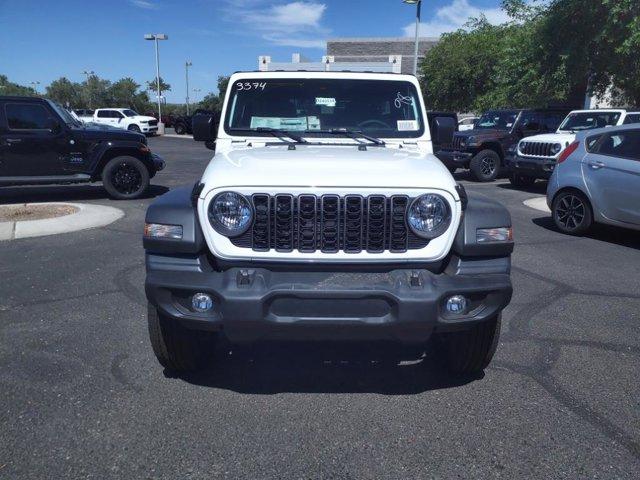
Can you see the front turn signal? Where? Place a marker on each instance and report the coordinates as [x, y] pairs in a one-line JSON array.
[[498, 234]]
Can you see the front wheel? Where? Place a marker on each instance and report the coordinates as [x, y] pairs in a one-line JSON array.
[[485, 166], [125, 178], [178, 349], [571, 212], [470, 351], [134, 128], [179, 129], [518, 180]]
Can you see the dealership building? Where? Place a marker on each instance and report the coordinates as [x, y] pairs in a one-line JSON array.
[[373, 54]]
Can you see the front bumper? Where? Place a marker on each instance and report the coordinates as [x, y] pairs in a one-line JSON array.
[[148, 129], [454, 158], [532, 167], [158, 162], [250, 304]]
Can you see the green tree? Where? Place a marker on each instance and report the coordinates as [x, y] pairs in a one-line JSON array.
[[65, 92], [10, 88], [213, 101], [125, 92], [164, 86], [95, 92]]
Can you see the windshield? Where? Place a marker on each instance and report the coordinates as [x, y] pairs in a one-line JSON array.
[[589, 120], [380, 108], [499, 119], [129, 113], [65, 115]]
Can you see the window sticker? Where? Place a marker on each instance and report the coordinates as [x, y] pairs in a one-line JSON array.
[[251, 86], [407, 125], [326, 101], [286, 123], [402, 100]]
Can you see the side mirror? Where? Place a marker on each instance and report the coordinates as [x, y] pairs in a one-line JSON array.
[[444, 128], [204, 128]]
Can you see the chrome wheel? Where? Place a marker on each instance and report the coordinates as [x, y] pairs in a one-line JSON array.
[[570, 211], [487, 166]]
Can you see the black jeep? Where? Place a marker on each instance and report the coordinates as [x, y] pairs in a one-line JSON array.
[[42, 143], [487, 148]]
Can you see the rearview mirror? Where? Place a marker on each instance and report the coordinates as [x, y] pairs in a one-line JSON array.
[[444, 128], [204, 128]]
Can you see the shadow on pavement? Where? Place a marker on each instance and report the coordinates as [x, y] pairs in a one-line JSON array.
[[604, 233], [540, 187], [272, 368], [64, 193]]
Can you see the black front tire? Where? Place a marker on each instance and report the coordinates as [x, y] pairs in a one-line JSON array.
[[178, 349], [179, 129], [125, 178], [470, 351], [518, 180], [572, 213], [485, 166], [134, 128]]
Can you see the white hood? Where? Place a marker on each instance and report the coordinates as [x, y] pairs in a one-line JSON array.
[[141, 118], [562, 138], [327, 166]]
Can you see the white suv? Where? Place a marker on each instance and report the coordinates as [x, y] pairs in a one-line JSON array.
[[325, 215], [124, 118]]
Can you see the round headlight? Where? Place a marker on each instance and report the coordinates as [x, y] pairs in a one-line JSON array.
[[556, 148], [429, 215], [230, 214]]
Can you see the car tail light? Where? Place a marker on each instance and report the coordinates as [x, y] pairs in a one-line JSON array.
[[568, 151]]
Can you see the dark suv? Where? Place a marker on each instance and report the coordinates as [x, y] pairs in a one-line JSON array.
[[487, 148], [42, 143]]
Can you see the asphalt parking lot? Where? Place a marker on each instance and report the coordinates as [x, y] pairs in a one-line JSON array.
[[83, 396]]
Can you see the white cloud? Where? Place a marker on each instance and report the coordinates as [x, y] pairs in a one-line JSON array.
[[146, 4], [293, 24], [453, 16]]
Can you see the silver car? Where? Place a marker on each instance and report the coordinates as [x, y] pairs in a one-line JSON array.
[[597, 179]]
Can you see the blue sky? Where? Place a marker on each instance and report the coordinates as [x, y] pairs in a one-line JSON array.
[[44, 40]]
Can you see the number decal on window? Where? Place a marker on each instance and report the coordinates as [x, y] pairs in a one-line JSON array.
[[251, 86]]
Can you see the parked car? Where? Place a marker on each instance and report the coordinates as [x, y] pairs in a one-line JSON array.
[[83, 112], [124, 118], [167, 119], [42, 143], [182, 123], [467, 123], [485, 149], [325, 215], [597, 179], [536, 157]]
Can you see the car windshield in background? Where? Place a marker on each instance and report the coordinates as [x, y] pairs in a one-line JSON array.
[[377, 108], [129, 113], [498, 119], [589, 120]]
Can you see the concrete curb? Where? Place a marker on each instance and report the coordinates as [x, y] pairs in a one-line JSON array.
[[175, 135], [538, 203], [87, 216]]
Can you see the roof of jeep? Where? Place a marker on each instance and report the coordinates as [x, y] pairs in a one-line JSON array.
[[320, 71]]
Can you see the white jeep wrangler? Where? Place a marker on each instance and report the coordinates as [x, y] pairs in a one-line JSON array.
[[324, 215]]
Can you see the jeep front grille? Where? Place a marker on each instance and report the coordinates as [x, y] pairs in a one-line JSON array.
[[456, 143], [330, 223], [536, 149]]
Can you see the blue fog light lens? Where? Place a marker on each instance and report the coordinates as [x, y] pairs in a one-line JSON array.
[[201, 302], [456, 304]]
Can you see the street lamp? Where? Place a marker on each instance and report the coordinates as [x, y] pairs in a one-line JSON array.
[[187, 64], [35, 85], [155, 37], [417, 3], [195, 96]]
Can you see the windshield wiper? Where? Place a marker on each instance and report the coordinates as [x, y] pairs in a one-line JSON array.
[[276, 132], [355, 134]]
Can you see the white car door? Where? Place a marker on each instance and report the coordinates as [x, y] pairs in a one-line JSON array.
[[612, 175]]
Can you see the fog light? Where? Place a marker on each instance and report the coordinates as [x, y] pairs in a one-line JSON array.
[[158, 230], [201, 302], [456, 304], [500, 234]]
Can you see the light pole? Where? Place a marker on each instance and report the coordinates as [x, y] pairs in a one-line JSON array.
[[155, 37], [88, 73], [35, 85], [187, 64], [417, 3], [195, 92]]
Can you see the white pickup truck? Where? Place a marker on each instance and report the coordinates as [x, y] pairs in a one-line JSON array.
[[123, 118]]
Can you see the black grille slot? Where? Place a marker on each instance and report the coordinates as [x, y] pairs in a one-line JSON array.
[[456, 142], [330, 223], [283, 223], [307, 223], [376, 223], [398, 226], [536, 149]]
